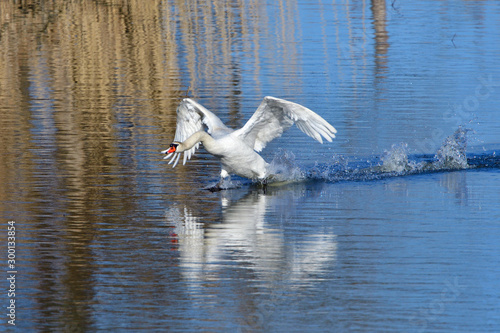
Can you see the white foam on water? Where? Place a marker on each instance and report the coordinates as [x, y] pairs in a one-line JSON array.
[[452, 154], [284, 167], [396, 160], [392, 163]]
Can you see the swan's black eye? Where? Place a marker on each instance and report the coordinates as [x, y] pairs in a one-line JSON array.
[[173, 145]]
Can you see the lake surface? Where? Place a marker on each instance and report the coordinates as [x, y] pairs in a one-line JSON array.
[[392, 227]]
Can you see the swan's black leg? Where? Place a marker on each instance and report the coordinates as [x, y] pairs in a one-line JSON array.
[[263, 183]]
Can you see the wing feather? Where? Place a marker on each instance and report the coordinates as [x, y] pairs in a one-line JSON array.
[[191, 118], [275, 115]]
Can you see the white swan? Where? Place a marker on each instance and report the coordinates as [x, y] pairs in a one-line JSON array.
[[237, 149]]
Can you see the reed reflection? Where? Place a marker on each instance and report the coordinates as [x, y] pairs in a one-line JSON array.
[[83, 86], [65, 148], [379, 12]]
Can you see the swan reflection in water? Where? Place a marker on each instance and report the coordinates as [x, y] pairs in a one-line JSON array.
[[282, 250]]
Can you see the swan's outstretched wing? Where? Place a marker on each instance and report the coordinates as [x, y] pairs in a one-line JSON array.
[[191, 117], [274, 116]]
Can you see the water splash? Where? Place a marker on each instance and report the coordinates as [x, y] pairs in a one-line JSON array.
[[284, 167], [340, 168], [452, 155], [398, 162], [394, 162], [224, 184]]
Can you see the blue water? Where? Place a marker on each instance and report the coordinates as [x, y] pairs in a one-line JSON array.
[[392, 227]]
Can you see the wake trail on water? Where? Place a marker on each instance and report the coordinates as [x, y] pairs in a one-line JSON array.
[[395, 162]]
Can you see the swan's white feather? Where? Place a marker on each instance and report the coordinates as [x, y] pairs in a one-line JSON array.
[[176, 158], [173, 158], [191, 116], [237, 149], [275, 115]]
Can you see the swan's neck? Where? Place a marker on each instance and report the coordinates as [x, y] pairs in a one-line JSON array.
[[200, 136]]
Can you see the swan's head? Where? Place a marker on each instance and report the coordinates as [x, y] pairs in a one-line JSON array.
[[173, 148]]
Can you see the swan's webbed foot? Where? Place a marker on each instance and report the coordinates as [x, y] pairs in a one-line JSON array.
[[215, 188]]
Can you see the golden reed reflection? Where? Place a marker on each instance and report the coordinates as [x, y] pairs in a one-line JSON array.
[[379, 11], [82, 85], [116, 68], [87, 87], [99, 53]]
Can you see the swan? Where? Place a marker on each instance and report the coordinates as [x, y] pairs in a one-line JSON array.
[[238, 149]]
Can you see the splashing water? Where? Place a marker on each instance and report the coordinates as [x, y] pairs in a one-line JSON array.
[[397, 162], [284, 167], [224, 184], [452, 154], [393, 163]]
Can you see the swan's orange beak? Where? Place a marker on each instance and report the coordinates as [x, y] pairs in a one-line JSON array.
[[172, 149]]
